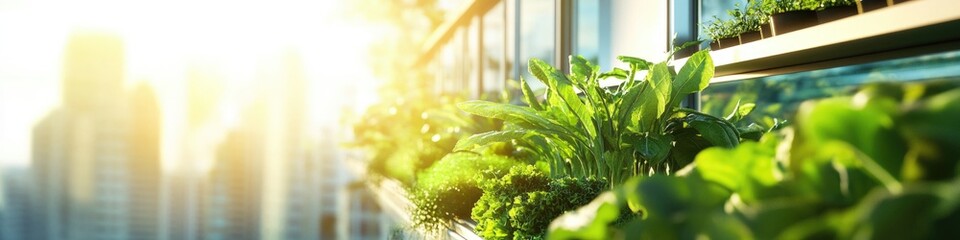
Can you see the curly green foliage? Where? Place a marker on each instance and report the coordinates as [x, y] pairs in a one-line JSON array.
[[880, 165], [449, 189], [521, 204], [780, 6]]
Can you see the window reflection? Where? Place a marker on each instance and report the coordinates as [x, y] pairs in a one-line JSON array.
[[493, 49], [586, 35], [779, 96], [471, 61], [710, 8], [536, 35]]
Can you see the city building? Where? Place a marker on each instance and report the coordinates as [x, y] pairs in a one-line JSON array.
[[96, 158], [230, 206], [17, 204]]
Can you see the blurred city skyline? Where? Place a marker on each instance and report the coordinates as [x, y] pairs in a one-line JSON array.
[[217, 48]]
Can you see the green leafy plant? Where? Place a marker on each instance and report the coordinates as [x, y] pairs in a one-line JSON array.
[[881, 164], [449, 189], [719, 28], [746, 19], [637, 128], [835, 3], [405, 135], [757, 11], [781, 6], [521, 204]]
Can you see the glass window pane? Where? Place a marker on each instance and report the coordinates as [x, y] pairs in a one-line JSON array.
[[779, 96], [586, 30], [493, 49], [471, 61], [710, 8], [536, 35], [450, 65]]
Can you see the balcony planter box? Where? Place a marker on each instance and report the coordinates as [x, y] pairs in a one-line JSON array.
[[766, 31], [728, 42], [715, 45], [791, 21], [835, 13], [870, 5], [750, 37]]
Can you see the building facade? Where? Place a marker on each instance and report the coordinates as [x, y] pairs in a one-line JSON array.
[[96, 158]]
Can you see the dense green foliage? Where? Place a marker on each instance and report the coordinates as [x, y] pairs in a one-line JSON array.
[[882, 164], [449, 189], [742, 20], [834, 3], [635, 128], [719, 28], [406, 135], [521, 204], [780, 6]]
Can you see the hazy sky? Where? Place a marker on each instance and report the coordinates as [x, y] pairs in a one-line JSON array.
[[163, 39]]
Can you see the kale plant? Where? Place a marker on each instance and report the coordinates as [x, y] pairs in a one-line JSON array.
[[521, 204]]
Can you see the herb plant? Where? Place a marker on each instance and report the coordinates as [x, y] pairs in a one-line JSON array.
[[449, 189], [882, 164], [836, 3], [719, 28], [781, 6], [745, 20], [521, 204], [637, 128]]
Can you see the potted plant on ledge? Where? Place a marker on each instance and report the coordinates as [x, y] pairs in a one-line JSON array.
[[870, 5], [836, 9], [791, 15], [748, 24], [757, 12], [723, 32]]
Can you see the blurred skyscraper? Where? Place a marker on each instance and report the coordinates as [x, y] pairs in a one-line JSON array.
[[17, 219], [230, 205], [95, 159], [144, 164]]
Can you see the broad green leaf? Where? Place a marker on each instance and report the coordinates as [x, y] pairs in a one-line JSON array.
[[481, 139], [592, 221], [616, 72], [522, 116], [630, 104], [561, 87], [867, 129], [654, 148], [636, 64], [740, 111], [536, 68], [580, 70], [683, 46], [528, 95], [883, 215], [694, 76], [718, 131], [752, 132], [688, 145], [746, 169], [653, 101]]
